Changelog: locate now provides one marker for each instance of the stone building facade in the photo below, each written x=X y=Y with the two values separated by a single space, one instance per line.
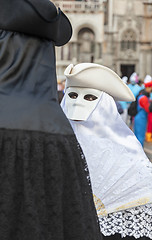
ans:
x=128 y=37
x=115 y=33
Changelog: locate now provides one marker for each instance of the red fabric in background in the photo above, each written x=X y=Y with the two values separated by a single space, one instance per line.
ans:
x=144 y=103
x=149 y=124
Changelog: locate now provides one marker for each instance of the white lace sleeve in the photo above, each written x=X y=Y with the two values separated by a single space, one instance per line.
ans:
x=136 y=222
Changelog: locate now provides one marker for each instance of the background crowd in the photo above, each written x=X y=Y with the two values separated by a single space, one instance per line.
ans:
x=141 y=121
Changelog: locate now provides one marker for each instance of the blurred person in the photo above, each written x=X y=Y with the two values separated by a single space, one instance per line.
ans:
x=45 y=190
x=121 y=174
x=147 y=79
x=135 y=88
x=119 y=107
x=61 y=86
x=149 y=123
x=143 y=108
x=124 y=104
x=141 y=84
x=149 y=128
x=133 y=84
x=125 y=79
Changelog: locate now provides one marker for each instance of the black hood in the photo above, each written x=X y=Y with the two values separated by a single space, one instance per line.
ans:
x=38 y=18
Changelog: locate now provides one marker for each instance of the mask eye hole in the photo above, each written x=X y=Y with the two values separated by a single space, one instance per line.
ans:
x=90 y=97
x=73 y=95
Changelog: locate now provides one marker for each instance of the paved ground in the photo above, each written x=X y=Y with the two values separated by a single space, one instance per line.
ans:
x=148 y=150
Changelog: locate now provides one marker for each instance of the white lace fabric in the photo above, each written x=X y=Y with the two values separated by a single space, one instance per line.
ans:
x=136 y=222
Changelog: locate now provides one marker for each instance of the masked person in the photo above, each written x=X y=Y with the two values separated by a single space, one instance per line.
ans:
x=45 y=191
x=121 y=174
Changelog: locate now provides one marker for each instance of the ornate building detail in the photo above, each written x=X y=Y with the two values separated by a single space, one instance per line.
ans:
x=120 y=23
x=130 y=5
x=128 y=40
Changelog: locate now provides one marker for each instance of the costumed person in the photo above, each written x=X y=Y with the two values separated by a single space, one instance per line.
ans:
x=121 y=174
x=149 y=128
x=149 y=120
x=135 y=88
x=144 y=107
x=124 y=104
x=45 y=190
x=133 y=85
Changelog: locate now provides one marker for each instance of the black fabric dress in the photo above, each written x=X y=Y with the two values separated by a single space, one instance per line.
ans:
x=45 y=192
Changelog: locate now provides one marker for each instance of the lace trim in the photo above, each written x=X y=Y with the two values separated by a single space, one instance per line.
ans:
x=136 y=222
x=85 y=164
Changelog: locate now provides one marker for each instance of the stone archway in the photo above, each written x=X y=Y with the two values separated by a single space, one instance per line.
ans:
x=86 y=45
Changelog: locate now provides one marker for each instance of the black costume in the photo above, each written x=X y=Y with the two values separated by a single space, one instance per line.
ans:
x=45 y=192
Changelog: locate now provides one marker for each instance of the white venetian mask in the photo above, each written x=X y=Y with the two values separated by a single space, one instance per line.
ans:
x=80 y=102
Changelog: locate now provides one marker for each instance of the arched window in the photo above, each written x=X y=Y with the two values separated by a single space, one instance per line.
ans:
x=86 y=45
x=128 y=40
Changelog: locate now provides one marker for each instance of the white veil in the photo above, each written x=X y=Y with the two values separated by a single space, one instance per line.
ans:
x=121 y=174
